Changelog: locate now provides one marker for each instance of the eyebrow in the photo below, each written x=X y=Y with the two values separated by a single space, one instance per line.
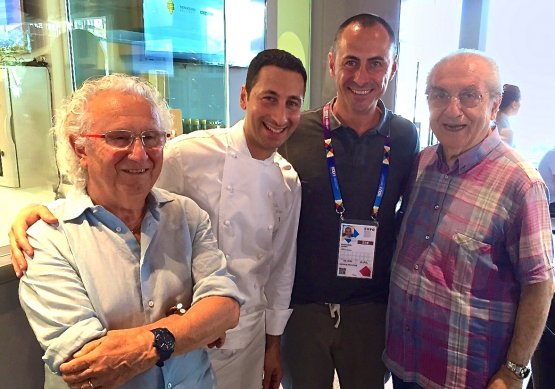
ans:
x=435 y=89
x=274 y=93
x=466 y=88
x=295 y=97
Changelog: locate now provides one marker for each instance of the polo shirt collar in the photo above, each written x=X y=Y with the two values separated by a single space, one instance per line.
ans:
x=380 y=128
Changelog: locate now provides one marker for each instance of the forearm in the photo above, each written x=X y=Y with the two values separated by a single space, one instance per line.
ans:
x=203 y=323
x=530 y=321
x=282 y=273
x=273 y=342
x=123 y=354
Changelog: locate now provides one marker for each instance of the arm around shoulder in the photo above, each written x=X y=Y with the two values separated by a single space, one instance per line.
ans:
x=19 y=243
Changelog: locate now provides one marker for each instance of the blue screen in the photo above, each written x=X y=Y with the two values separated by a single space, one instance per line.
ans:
x=193 y=30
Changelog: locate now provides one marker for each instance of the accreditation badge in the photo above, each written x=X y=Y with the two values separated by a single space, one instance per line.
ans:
x=357 y=246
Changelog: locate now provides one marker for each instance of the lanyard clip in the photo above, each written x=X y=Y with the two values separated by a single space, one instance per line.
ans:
x=340 y=210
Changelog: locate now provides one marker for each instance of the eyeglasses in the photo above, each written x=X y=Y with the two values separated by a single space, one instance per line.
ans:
x=122 y=139
x=442 y=99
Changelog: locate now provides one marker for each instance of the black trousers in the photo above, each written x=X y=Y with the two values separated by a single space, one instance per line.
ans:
x=400 y=384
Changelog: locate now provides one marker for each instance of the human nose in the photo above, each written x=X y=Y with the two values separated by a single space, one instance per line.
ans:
x=362 y=75
x=279 y=115
x=138 y=151
x=454 y=105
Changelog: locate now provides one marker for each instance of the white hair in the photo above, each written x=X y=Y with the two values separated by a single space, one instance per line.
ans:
x=74 y=119
x=493 y=80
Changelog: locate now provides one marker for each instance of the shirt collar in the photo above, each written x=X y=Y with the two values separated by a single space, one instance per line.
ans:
x=471 y=157
x=78 y=201
x=335 y=123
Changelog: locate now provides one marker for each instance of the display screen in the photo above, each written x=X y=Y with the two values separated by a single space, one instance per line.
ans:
x=13 y=36
x=193 y=30
x=245 y=23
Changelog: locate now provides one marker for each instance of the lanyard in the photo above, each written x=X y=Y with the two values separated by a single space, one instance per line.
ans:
x=332 y=171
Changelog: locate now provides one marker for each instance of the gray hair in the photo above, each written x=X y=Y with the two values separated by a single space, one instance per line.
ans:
x=493 y=80
x=73 y=117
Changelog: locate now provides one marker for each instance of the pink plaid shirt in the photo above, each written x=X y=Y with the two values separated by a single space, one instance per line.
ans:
x=473 y=236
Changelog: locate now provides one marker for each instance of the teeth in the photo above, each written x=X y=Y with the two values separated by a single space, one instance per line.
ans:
x=455 y=126
x=274 y=130
x=136 y=171
x=360 y=92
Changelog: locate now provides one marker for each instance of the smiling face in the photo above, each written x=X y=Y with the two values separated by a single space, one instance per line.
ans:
x=273 y=109
x=362 y=66
x=115 y=177
x=458 y=128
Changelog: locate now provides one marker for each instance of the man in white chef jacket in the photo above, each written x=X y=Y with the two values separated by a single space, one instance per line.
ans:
x=253 y=196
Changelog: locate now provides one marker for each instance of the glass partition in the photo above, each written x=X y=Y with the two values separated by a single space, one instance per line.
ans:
x=49 y=47
x=420 y=46
x=177 y=45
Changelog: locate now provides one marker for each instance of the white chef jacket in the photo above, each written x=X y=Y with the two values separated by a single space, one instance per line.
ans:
x=254 y=208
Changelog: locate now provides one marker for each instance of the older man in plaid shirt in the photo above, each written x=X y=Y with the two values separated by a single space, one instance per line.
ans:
x=471 y=279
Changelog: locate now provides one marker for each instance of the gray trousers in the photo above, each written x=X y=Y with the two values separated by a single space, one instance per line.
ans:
x=312 y=347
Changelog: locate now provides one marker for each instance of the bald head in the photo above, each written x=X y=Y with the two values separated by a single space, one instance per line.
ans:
x=473 y=61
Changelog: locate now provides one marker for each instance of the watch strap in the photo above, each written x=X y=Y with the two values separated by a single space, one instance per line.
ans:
x=520 y=371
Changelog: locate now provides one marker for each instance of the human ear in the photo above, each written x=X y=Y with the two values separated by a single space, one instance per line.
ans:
x=79 y=150
x=243 y=98
x=495 y=107
x=331 y=64
x=393 y=68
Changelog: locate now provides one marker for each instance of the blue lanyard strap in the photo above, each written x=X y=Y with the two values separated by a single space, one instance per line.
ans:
x=332 y=171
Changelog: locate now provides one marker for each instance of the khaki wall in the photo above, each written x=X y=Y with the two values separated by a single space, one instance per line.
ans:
x=293 y=33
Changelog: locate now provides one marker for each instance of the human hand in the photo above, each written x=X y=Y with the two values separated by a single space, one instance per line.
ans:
x=504 y=379
x=218 y=342
x=111 y=360
x=273 y=371
x=19 y=244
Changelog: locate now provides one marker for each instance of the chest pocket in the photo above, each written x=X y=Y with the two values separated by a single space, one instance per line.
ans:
x=473 y=264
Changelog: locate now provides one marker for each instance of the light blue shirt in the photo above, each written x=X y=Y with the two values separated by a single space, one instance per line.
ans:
x=89 y=275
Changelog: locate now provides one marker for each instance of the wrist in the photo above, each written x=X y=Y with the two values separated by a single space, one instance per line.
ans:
x=516 y=371
x=164 y=343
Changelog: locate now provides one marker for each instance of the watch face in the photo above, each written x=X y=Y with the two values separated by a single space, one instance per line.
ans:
x=164 y=340
x=524 y=372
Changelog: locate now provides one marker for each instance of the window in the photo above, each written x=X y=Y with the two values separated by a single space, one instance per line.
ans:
x=519 y=39
x=430 y=29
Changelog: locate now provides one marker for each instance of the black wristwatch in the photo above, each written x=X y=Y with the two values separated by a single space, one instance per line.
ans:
x=164 y=342
x=520 y=371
